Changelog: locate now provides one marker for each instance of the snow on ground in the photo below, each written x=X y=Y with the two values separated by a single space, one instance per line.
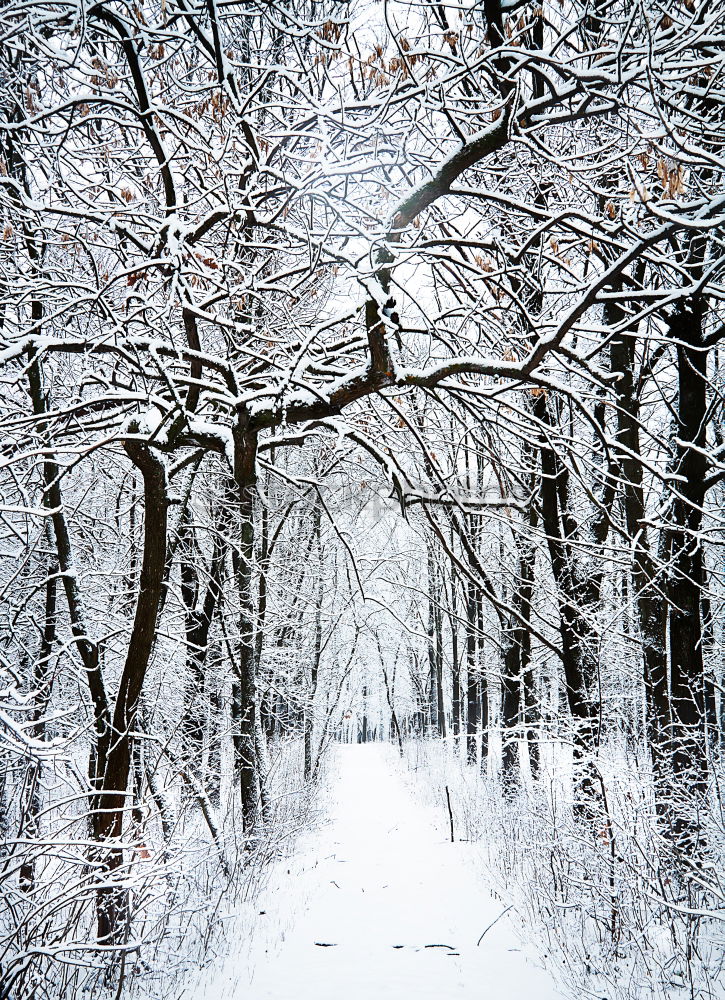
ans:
x=377 y=903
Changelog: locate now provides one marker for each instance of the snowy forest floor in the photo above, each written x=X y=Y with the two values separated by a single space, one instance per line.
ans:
x=376 y=902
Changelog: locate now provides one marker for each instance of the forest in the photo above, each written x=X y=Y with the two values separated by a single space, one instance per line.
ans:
x=362 y=422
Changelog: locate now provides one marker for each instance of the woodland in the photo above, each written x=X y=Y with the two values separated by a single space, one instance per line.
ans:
x=361 y=381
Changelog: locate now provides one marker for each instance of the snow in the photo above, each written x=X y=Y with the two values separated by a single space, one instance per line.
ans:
x=387 y=907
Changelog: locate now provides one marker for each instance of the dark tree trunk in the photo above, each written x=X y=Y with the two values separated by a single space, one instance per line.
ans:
x=199 y=615
x=245 y=687
x=510 y=704
x=433 y=695
x=440 y=691
x=484 y=701
x=578 y=594
x=116 y=748
x=456 y=665
x=471 y=676
x=42 y=682
x=517 y=658
x=686 y=577
x=364 y=733
x=650 y=605
x=394 y=724
x=316 y=652
x=484 y=712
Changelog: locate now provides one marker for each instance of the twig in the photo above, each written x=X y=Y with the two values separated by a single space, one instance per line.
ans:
x=502 y=914
x=450 y=812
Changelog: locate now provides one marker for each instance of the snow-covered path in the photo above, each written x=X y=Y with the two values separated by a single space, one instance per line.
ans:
x=394 y=910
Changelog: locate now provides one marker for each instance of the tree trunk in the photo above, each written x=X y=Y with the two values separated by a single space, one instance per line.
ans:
x=245 y=687
x=456 y=665
x=316 y=653
x=42 y=681
x=433 y=699
x=517 y=658
x=440 y=689
x=198 y=621
x=116 y=748
x=364 y=728
x=471 y=676
x=686 y=577
x=510 y=702
x=650 y=605
x=578 y=591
